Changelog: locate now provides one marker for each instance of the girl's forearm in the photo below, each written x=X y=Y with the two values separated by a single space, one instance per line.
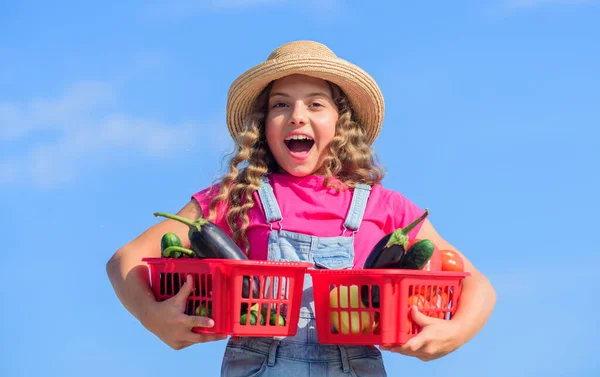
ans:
x=130 y=281
x=475 y=306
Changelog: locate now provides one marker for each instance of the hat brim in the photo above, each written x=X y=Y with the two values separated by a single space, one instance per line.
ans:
x=363 y=92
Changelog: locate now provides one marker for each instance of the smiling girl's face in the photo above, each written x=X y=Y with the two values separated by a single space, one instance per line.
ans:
x=300 y=123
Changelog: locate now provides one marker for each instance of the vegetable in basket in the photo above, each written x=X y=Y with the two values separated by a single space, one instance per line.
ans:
x=416 y=257
x=201 y=310
x=395 y=251
x=209 y=241
x=392 y=247
x=451 y=261
x=263 y=317
x=171 y=247
x=348 y=321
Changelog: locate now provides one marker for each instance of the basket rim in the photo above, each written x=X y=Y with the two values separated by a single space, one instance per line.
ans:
x=231 y=262
x=375 y=272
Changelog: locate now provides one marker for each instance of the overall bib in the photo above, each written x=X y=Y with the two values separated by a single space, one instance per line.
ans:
x=302 y=355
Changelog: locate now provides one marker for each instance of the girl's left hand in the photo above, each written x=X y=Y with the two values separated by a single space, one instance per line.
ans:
x=437 y=338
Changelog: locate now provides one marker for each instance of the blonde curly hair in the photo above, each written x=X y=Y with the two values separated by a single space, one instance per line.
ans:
x=350 y=159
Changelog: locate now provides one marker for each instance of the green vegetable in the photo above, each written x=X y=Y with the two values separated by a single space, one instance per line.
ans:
x=201 y=310
x=177 y=251
x=244 y=318
x=207 y=239
x=261 y=318
x=171 y=246
x=417 y=255
x=273 y=319
x=391 y=248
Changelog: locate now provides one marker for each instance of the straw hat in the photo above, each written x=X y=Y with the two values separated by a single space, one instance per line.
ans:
x=312 y=59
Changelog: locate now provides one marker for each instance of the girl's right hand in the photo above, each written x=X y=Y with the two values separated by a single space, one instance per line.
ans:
x=168 y=321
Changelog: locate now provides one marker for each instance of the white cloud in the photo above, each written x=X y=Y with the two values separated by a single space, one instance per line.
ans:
x=68 y=133
x=78 y=102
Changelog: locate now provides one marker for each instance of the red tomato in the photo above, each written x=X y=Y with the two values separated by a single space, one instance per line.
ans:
x=439 y=301
x=420 y=301
x=428 y=291
x=451 y=261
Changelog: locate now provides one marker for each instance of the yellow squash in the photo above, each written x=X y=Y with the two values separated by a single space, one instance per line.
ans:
x=350 y=319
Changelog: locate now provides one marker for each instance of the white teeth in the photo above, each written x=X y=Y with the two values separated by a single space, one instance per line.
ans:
x=298 y=137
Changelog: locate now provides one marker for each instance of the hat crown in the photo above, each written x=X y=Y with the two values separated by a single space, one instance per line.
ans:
x=301 y=48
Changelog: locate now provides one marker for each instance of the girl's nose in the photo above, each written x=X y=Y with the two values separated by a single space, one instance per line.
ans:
x=298 y=116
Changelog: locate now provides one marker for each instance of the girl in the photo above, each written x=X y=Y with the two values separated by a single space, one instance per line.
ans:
x=309 y=190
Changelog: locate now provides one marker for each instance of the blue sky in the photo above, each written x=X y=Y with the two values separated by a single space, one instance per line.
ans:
x=110 y=113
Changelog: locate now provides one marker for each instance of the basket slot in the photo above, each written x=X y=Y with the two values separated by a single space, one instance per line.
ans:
x=162 y=284
x=170 y=283
x=433 y=300
x=349 y=313
x=267 y=308
x=275 y=288
x=197 y=285
x=265 y=288
x=202 y=307
x=204 y=289
x=265 y=314
x=370 y=296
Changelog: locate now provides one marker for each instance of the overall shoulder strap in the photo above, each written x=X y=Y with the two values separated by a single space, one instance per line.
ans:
x=360 y=197
x=268 y=201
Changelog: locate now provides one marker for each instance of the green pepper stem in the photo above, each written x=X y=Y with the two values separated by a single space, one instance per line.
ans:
x=191 y=223
x=169 y=250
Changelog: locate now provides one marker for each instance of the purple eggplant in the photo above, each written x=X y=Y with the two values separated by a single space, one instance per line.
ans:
x=388 y=253
x=210 y=241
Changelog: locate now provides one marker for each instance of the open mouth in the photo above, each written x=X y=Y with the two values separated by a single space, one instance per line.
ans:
x=299 y=143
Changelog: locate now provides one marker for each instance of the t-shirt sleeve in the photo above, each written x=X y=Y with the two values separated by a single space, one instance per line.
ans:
x=204 y=198
x=405 y=212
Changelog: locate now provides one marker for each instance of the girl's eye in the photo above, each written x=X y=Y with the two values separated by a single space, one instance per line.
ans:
x=317 y=104
x=279 y=104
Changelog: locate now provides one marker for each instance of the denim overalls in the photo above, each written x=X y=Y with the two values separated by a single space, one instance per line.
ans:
x=302 y=355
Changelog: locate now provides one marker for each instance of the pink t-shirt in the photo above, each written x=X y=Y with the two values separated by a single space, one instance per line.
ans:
x=309 y=208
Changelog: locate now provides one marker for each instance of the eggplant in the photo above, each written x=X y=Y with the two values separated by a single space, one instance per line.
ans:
x=387 y=253
x=210 y=241
x=392 y=247
x=207 y=239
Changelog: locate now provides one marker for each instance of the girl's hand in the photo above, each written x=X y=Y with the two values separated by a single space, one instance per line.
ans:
x=437 y=338
x=170 y=324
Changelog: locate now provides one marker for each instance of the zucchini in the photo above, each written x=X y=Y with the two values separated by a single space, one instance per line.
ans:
x=415 y=258
x=391 y=248
x=417 y=255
